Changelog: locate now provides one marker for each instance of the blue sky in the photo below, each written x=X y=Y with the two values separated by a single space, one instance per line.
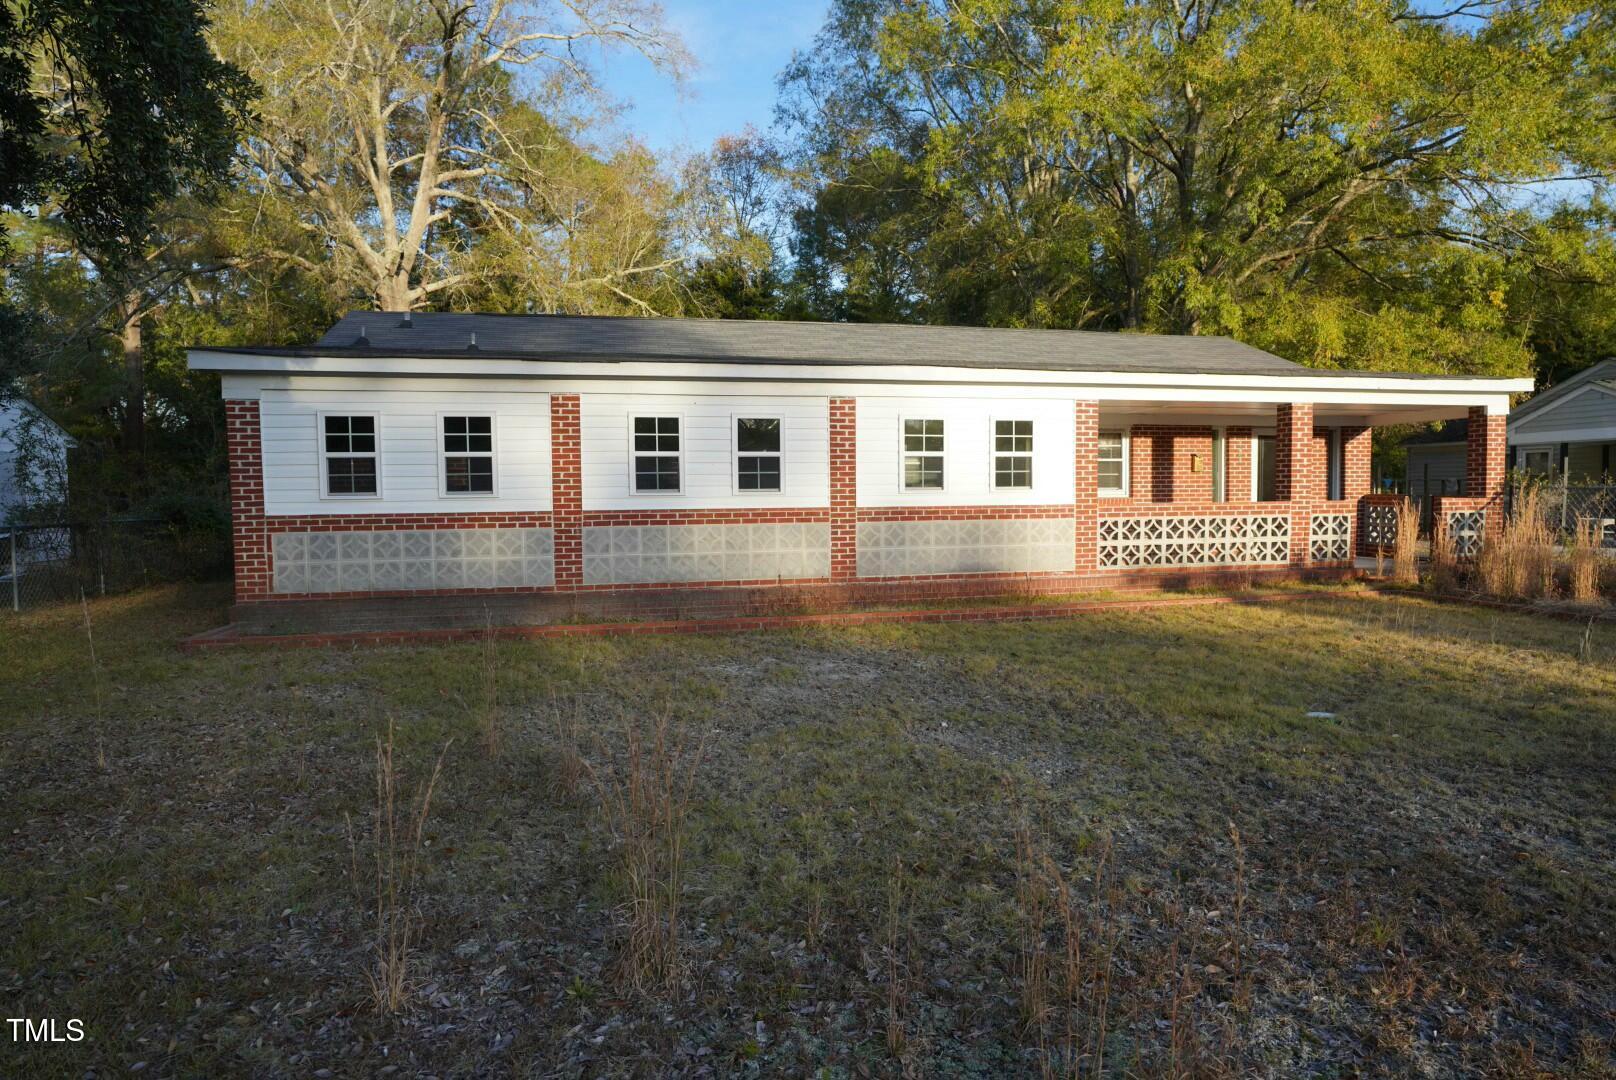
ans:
x=739 y=46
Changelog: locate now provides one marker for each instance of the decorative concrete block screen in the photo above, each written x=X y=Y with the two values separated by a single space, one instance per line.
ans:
x=1330 y=539
x=635 y=554
x=1380 y=525
x=1465 y=526
x=1214 y=540
x=904 y=548
x=405 y=561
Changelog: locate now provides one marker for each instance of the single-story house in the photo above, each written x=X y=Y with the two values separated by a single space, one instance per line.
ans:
x=33 y=460
x=1569 y=429
x=465 y=453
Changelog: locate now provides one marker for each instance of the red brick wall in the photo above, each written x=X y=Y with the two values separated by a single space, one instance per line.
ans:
x=1357 y=472
x=1160 y=460
x=1296 y=462
x=962 y=513
x=1237 y=479
x=843 y=489
x=782 y=516
x=248 y=535
x=567 y=489
x=1086 y=494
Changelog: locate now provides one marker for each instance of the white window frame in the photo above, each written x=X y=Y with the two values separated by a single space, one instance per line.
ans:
x=1551 y=449
x=994 y=455
x=1127 y=454
x=1256 y=460
x=1220 y=465
x=736 y=454
x=684 y=436
x=492 y=456
x=320 y=451
x=904 y=452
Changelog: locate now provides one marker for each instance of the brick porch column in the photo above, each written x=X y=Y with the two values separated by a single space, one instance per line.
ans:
x=1296 y=471
x=1357 y=477
x=1484 y=455
x=1086 y=497
x=566 y=490
x=249 y=539
x=1237 y=450
x=843 y=488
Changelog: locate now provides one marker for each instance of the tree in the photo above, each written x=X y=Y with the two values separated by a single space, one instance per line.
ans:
x=1340 y=178
x=107 y=110
x=434 y=150
x=737 y=195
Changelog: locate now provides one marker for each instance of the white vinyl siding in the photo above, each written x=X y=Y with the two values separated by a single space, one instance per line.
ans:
x=967 y=450
x=707 y=443
x=1583 y=413
x=409 y=441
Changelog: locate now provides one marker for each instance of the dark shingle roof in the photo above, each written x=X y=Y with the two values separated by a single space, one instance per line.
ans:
x=606 y=339
x=764 y=342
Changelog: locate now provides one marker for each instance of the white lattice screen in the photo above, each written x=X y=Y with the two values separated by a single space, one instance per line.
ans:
x=1213 y=540
x=1330 y=538
x=1465 y=526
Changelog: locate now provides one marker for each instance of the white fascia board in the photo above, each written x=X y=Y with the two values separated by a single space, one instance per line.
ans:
x=569 y=376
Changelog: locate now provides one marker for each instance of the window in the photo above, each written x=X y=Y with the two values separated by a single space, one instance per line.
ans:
x=1220 y=465
x=1537 y=460
x=1012 y=453
x=1113 y=463
x=349 y=457
x=656 y=453
x=923 y=455
x=757 y=454
x=468 y=455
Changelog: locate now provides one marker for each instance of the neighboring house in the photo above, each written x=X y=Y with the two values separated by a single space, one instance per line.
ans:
x=455 y=453
x=1569 y=429
x=33 y=461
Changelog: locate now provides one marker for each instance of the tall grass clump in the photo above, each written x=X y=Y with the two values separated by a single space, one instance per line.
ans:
x=1406 y=547
x=1517 y=555
x=396 y=842
x=645 y=805
x=1583 y=558
x=1446 y=575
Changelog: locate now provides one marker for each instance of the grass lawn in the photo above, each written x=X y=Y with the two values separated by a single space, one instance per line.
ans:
x=1118 y=842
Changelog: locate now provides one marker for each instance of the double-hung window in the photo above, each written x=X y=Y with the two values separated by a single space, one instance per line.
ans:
x=658 y=448
x=757 y=453
x=348 y=456
x=1012 y=453
x=468 y=455
x=923 y=455
x=1113 y=458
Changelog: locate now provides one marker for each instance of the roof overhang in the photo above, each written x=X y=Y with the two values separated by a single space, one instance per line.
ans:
x=1376 y=398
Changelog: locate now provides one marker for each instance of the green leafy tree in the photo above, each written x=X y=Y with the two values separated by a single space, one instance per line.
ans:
x=1341 y=180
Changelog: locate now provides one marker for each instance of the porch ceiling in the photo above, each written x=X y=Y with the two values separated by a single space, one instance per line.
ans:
x=1260 y=414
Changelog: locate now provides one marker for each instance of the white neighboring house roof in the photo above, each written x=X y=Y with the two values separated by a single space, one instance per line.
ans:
x=576 y=353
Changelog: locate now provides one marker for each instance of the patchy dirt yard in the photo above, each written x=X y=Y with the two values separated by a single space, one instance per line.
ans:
x=1325 y=837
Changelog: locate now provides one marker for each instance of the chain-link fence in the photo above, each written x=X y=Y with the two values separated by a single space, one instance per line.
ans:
x=1565 y=508
x=47 y=563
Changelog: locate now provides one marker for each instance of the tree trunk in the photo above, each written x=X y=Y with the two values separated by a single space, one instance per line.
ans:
x=134 y=367
x=394 y=293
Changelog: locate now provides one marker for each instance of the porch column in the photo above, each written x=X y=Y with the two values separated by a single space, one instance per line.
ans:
x=1297 y=479
x=1357 y=477
x=1485 y=453
x=1296 y=473
x=843 y=488
x=1086 y=496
